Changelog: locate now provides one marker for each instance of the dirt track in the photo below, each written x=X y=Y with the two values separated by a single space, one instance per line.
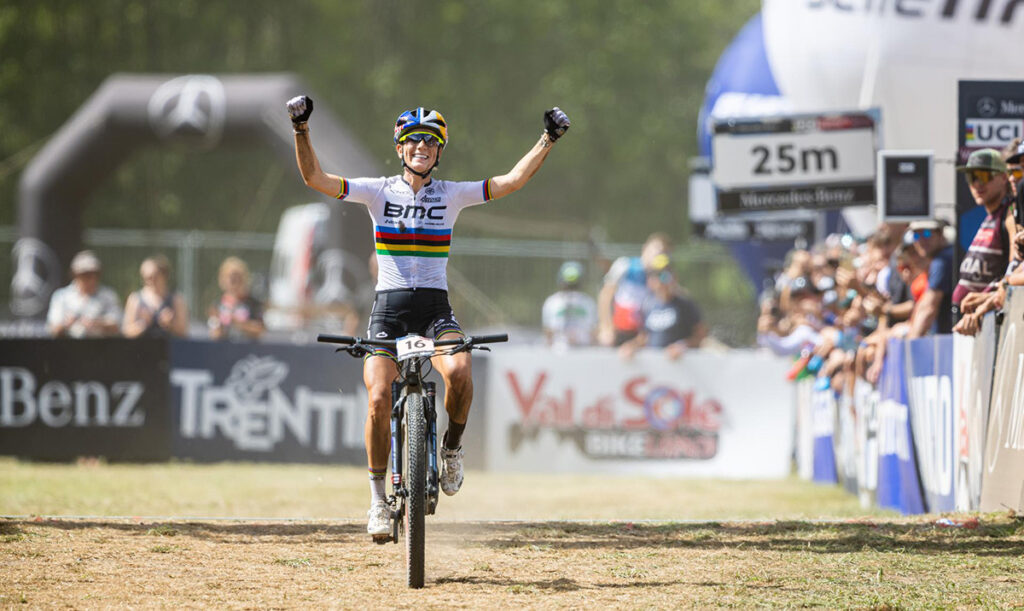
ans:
x=122 y=563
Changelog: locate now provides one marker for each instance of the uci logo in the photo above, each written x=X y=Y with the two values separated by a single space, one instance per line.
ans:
x=416 y=212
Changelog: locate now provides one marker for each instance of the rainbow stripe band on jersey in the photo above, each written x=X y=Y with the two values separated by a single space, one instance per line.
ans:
x=487 y=190
x=413 y=242
x=343 y=190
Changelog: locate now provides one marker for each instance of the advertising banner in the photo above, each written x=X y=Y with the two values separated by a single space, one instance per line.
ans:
x=264 y=402
x=845 y=441
x=899 y=486
x=804 y=429
x=589 y=411
x=865 y=403
x=1002 y=485
x=823 y=414
x=810 y=161
x=973 y=362
x=930 y=390
x=990 y=115
x=65 y=398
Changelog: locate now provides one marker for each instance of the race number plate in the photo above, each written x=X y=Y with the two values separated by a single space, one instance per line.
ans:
x=412 y=346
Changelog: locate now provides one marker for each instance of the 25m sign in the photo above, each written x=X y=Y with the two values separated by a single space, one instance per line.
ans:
x=800 y=161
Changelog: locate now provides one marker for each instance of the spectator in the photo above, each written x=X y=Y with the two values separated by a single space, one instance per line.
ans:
x=671 y=319
x=236 y=315
x=569 y=316
x=84 y=308
x=155 y=310
x=985 y=261
x=934 y=310
x=621 y=298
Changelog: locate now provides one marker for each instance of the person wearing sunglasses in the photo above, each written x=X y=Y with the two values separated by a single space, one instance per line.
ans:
x=933 y=312
x=985 y=261
x=413 y=215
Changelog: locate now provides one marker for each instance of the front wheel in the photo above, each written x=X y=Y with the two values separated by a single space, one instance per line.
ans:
x=416 y=485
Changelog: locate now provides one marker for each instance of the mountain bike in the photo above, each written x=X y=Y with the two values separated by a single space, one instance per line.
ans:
x=414 y=475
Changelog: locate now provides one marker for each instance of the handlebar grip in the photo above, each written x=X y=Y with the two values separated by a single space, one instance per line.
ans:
x=490 y=339
x=335 y=339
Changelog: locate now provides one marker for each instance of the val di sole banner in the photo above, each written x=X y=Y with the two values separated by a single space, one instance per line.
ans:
x=589 y=411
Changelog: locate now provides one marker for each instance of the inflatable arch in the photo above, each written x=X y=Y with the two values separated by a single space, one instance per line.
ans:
x=131 y=111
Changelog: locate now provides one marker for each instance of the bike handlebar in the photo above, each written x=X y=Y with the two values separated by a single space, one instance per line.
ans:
x=390 y=343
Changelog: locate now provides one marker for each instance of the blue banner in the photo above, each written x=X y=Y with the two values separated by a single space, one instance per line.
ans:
x=899 y=486
x=930 y=390
x=823 y=418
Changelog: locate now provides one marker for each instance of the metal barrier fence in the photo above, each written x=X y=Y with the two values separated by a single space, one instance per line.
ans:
x=495 y=282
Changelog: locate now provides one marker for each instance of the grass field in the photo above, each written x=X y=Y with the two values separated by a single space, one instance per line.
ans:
x=294 y=538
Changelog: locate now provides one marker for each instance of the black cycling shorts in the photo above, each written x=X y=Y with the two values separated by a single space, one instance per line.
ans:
x=400 y=312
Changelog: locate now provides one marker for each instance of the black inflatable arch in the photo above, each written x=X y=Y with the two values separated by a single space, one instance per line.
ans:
x=132 y=111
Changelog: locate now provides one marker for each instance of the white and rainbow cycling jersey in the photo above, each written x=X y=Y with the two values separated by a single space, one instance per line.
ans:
x=413 y=231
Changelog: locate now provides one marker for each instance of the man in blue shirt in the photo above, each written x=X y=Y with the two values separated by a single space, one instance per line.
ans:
x=934 y=311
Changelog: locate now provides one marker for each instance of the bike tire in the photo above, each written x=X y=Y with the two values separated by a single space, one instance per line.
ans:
x=416 y=484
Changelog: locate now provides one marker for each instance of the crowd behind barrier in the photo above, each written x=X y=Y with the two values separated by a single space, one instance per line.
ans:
x=942 y=431
x=536 y=409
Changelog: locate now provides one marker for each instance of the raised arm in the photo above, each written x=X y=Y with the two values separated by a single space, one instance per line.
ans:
x=555 y=124
x=299 y=109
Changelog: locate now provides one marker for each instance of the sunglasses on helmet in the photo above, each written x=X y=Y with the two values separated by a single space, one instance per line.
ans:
x=922 y=233
x=429 y=139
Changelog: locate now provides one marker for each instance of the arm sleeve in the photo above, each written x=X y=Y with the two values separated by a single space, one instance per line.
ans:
x=790 y=344
x=465 y=194
x=360 y=190
x=56 y=311
x=939 y=276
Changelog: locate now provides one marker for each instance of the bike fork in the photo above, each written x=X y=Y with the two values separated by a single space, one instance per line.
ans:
x=429 y=394
x=396 y=436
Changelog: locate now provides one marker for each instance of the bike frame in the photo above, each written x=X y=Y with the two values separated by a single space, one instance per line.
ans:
x=416 y=446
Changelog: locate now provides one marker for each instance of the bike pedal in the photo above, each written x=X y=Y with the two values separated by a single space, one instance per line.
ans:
x=381 y=539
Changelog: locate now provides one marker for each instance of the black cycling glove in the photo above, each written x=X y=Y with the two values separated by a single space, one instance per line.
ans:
x=556 y=123
x=299 y=108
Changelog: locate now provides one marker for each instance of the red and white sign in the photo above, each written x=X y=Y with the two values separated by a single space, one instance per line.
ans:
x=720 y=415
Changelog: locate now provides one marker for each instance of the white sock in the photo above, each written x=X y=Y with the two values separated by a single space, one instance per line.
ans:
x=377 y=491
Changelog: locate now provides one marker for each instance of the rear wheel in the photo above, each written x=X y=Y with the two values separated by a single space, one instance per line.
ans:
x=416 y=484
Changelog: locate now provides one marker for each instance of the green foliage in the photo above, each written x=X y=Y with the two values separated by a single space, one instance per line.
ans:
x=631 y=76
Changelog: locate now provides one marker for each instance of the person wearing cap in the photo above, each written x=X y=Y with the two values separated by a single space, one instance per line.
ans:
x=569 y=316
x=672 y=321
x=985 y=262
x=84 y=308
x=933 y=312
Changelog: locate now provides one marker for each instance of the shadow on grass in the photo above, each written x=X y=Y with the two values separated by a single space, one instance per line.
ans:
x=997 y=536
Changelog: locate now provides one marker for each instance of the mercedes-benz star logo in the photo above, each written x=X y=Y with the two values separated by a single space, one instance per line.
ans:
x=987 y=107
x=191 y=105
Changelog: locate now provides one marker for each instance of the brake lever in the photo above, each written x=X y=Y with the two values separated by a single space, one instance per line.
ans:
x=468 y=345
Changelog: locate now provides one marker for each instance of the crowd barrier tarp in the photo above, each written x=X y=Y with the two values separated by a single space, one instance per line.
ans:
x=899 y=485
x=707 y=414
x=929 y=368
x=266 y=402
x=1002 y=485
x=865 y=403
x=62 y=399
x=823 y=414
x=804 y=430
x=973 y=362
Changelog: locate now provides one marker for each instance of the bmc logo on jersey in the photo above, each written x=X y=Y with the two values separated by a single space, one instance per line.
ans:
x=396 y=211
